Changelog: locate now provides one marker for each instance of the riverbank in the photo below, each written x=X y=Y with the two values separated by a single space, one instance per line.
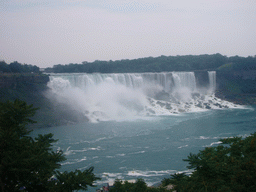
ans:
x=241 y=99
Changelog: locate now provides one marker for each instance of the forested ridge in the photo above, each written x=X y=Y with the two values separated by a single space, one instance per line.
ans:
x=147 y=64
x=158 y=64
x=16 y=67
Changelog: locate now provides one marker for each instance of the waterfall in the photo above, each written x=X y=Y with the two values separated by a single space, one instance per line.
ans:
x=212 y=80
x=123 y=96
x=167 y=80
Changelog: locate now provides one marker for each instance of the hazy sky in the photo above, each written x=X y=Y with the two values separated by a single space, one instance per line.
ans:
x=48 y=32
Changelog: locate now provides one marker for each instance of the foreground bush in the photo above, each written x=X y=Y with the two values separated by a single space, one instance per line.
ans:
x=230 y=166
x=27 y=164
x=138 y=186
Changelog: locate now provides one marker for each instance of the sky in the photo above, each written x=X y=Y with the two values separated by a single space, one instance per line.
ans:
x=49 y=32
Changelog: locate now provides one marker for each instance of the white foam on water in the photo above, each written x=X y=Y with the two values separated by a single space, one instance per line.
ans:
x=114 y=175
x=182 y=146
x=203 y=137
x=139 y=173
x=139 y=152
x=68 y=152
x=109 y=178
x=74 y=161
x=121 y=155
x=213 y=143
x=74 y=151
x=110 y=157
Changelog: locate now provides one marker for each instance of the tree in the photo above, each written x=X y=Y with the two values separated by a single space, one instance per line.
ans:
x=15 y=67
x=4 y=68
x=77 y=180
x=230 y=166
x=138 y=186
x=27 y=163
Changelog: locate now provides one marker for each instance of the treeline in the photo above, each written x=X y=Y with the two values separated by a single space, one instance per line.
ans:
x=158 y=64
x=16 y=67
x=147 y=64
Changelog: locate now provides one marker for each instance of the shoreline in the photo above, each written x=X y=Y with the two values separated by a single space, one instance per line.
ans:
x=240 y=99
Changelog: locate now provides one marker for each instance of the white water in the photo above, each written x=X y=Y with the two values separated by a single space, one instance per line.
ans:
x=128 y=96
x=212 y=81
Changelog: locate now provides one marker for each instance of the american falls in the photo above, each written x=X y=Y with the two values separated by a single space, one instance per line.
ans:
x=127 y=96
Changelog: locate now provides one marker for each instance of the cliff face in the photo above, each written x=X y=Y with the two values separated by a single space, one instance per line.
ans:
x=14 y=81
x=237 y=86
x=202 y=78
x=29 y=88
x=32 y=88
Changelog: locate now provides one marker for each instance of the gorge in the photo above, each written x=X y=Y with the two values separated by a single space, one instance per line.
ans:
x=136 y=125
x=141 y=125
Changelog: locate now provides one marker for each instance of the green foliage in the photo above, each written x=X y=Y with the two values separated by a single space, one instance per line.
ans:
x=226 y=67
x=237 y=63
x=230 y=166
x=14 y=116
x=77 y=180
x=4 y=67
x=149 y=64
x=16 y=67
x=138 y=186
x=162 y=63
x=29 y=163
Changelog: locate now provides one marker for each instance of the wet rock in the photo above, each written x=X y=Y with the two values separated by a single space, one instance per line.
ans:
x=151 y=111
x=162 y=96
x=199 y=105
x=207 y=106
x=218 y=105
x=181 y=110
x=202 y=98
x=168 y=106
x=195 y=95
x=160 y=103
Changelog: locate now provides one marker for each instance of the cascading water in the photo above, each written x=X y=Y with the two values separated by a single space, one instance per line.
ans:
x=212 y=81
x=102 y=97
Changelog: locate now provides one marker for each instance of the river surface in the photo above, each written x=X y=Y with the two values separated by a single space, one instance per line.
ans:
x=151 y=148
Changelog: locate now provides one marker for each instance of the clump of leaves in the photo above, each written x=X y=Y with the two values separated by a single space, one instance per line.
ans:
x=138 y=186
x=28 y=163
x=231 y=166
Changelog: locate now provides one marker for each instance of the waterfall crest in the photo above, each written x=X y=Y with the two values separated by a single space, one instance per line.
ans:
x=123 y=96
